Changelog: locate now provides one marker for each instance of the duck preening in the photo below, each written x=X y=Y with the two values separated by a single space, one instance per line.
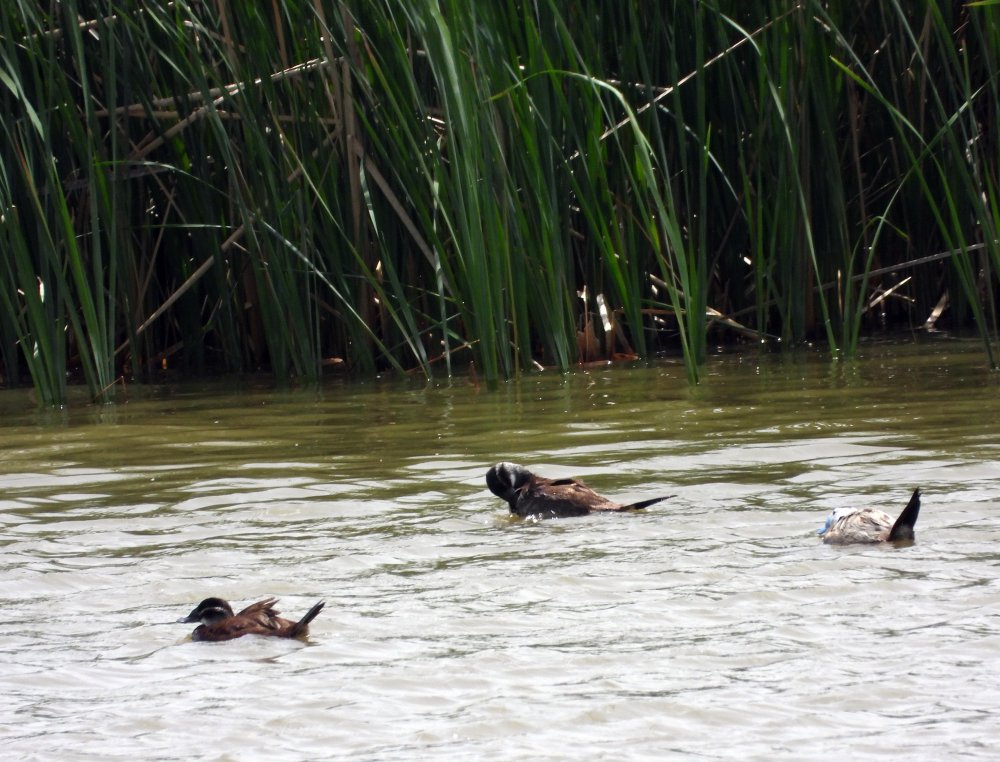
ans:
x=869 y=525
x=218 y=622
x=531 y=495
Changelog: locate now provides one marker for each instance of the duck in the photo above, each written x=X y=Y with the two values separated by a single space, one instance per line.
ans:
x=845 y=526
x=531 y=495
x=218 y=622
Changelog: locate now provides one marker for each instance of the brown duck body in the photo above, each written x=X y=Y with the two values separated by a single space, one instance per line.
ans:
x=218 y=622
x=531 y=495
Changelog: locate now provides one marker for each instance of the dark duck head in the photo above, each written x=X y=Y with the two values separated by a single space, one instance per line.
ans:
x=847 y=526
x=218 y=622
x=531 y=495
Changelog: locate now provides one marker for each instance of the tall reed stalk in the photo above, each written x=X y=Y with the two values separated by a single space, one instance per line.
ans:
x=428 y=185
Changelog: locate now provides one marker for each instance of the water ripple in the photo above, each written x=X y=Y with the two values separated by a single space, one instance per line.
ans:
x=713 y=625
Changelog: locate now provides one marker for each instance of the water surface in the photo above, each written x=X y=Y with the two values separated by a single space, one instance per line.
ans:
x=715 y=625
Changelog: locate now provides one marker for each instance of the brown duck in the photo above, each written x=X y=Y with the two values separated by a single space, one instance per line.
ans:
x=531 y=495
x=218 y=622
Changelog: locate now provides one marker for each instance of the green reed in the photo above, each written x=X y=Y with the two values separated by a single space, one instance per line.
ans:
x=947 y=161
x=440 y=184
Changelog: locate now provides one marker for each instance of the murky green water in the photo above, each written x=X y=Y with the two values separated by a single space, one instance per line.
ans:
x=714 y=625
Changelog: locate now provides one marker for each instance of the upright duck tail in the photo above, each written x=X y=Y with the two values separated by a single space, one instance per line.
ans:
x=903 y=528
x=301 y=626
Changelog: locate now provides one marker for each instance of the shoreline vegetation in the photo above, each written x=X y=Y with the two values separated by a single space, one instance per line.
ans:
x=429 y=186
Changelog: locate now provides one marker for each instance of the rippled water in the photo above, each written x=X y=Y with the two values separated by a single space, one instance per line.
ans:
x=714 y=625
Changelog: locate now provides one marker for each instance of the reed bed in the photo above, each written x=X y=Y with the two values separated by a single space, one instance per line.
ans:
x=427 y=186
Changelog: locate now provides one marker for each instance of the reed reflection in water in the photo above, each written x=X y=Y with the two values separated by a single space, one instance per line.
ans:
x=714 y=625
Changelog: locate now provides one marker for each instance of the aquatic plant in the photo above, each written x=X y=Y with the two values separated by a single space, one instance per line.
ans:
x=376 y=185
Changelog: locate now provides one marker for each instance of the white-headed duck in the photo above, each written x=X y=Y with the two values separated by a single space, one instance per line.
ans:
x=869 y=525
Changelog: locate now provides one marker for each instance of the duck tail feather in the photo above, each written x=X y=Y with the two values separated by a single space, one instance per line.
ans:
x=303 y=623
x=903 y=528
x=645 y=503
